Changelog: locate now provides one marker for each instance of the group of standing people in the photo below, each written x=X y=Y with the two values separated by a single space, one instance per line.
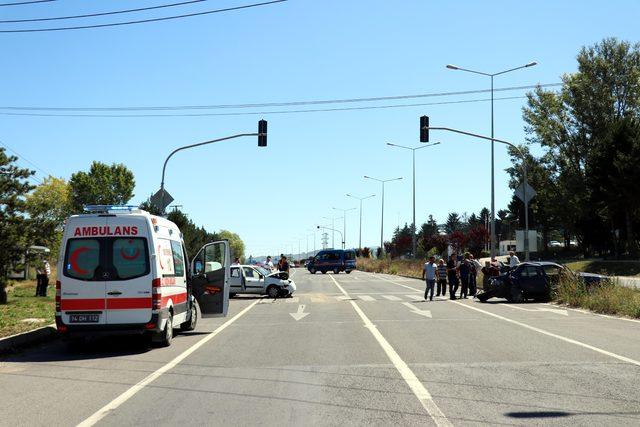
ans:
x=283 y=264
x=455 y=273
x=459 y=274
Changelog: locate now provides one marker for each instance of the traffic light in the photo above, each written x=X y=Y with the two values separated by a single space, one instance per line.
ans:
x=262 y=133
x=424 y=129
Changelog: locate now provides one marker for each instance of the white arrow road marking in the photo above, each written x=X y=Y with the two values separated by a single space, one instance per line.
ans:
x=550 y=310
x=416 y=310
x=299 y=314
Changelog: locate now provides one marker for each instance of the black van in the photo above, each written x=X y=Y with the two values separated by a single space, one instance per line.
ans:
x=335 y=260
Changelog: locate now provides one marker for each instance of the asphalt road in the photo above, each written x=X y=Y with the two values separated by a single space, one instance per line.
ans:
x=358 y=349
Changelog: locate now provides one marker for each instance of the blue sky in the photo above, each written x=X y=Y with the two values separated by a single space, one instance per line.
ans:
x=298 y=50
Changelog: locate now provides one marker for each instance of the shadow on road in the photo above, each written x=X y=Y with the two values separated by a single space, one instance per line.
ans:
x=538 y=414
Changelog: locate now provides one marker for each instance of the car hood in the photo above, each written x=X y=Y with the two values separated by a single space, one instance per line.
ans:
x=591 y=275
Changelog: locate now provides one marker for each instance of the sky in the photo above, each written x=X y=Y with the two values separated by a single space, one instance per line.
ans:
x=298 y=50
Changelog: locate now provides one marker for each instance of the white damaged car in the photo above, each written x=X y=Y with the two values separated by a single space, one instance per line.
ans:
x=252 y=279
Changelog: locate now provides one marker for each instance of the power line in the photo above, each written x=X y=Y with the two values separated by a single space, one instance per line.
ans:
x=141 y=21
x=277 y=104
x=28 y=161
x=317 y=110
x=92 y=15
x=26 y=2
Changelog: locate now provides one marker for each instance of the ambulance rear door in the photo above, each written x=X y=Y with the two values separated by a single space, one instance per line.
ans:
x=210 y=270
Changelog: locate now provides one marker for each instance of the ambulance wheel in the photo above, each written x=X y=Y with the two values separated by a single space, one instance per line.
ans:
x=164 y=338
x=273 y=291
x=190 y=324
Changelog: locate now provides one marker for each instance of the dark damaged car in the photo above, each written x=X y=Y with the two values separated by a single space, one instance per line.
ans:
x=534 y=280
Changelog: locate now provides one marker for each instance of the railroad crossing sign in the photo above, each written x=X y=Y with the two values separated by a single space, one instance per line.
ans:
x=520 y=193
x=161 y=202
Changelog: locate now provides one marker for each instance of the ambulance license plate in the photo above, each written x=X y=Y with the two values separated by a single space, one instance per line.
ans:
x=84 y=318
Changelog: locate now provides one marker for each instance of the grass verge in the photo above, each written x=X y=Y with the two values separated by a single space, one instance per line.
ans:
x=22 y=304
x=607 y=298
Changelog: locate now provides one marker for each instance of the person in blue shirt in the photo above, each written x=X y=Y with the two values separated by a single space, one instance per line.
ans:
x=429 y=273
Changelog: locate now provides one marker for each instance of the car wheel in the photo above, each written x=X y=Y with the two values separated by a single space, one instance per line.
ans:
x=164 y=338
x=324 y=271
x=348 y=271
x=516 y=295
x=312 y=271
x=272 y=291
x=336 y=271
x=190 y=324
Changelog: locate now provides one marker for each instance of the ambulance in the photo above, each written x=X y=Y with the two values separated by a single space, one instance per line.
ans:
x=125 y=271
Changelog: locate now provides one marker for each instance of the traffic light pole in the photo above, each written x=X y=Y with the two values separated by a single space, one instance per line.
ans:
x=262 y=142
x=524 y=174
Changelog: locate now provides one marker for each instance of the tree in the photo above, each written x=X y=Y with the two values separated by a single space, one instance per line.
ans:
x=102 y=185
x=48 y=206
x=235 y=243
x=13 y=226
x=579 y=129
x=453 y=223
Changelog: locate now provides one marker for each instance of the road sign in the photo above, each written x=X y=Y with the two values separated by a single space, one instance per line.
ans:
x=161 y=202
x=520 y=193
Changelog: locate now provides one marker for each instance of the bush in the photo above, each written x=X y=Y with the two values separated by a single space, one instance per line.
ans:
x=606 y=298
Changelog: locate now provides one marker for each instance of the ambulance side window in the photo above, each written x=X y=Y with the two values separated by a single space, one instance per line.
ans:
x=130 y=257
x=178 y=258
x=82 y=259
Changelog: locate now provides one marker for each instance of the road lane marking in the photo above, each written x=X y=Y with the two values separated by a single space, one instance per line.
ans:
x=414 y=296
x=418 y=389
x=551 y=334
x=537 y=309
x=115 y=403
x=391 y=297
x=416 y=310
x=579 y=310
x=399 y=284
x=300 y=314
x=366 y=298
x=292 y=300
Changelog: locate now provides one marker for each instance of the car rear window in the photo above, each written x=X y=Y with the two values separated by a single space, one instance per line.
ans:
x=129 y=257
x=82 y=258
x=106 y=259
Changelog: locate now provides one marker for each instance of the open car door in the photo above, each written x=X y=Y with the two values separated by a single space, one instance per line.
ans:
x=210 y=278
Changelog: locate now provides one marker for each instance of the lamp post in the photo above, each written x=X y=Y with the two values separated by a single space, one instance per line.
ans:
x=413 y=225
x=344 y=223
x=360 y=199
x=333 y=225
x=383 y=181
x=524 y=173
x=493 y=194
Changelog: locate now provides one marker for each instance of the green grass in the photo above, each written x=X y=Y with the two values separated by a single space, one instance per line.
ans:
x=22 y=304
x=610 y=268
x=609 y=298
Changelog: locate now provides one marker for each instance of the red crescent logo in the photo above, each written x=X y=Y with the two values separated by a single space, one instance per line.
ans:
x=73 y=259
x=129 y=257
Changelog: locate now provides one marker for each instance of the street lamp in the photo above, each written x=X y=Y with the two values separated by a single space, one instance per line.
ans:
x=344 y=222
x=333 y=225
x=524 y=173
x=413 y=226
x=360 y=199
x=383 y=181
x=493 y=194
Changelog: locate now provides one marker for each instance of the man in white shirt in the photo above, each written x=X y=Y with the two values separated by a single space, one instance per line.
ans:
x=268 y=264
x=429 y=273
x=513 y=260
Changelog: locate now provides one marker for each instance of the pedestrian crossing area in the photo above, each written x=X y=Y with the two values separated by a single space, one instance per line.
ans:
x=324 y=298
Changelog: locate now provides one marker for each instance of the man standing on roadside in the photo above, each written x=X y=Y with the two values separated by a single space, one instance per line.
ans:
x=269 y=264
x=465 y=273
x=42 y=278
x=513 y=260
x=283 y=264
x=429 y=273
x=452 y=272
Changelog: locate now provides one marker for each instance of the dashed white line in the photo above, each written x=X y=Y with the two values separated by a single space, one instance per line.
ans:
x=391 y=297
x=115 y=403
x=418 y=389
x=366 y=298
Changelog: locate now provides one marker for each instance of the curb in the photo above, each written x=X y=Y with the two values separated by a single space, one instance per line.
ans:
x=12 y=342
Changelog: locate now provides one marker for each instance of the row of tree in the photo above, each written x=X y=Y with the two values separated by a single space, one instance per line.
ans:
x=586 y=175
x=35 y=215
